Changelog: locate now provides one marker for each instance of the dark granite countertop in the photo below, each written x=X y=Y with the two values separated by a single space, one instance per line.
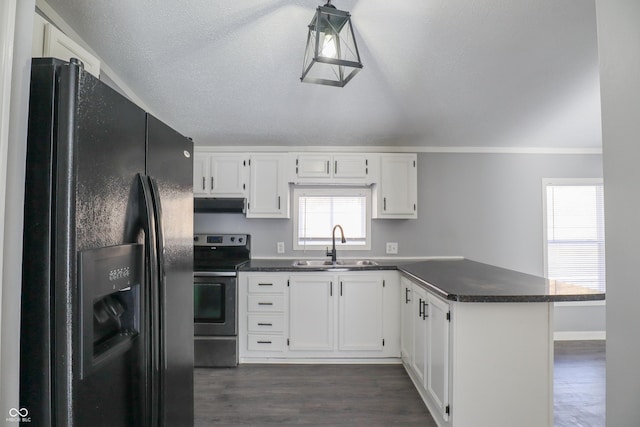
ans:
x=471 y=281
x=459 y=280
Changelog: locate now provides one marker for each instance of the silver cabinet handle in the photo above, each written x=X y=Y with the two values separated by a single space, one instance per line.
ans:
x=204 y=183
x=265 y=284
x=327 y=167
x=264 y=342
x=265 y=303
x=384 y=203
x=212 y=183
x=265 y=324
x=278 y=202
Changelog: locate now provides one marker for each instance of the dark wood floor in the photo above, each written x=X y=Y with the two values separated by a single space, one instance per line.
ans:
x=579 y=384
x=373 y=395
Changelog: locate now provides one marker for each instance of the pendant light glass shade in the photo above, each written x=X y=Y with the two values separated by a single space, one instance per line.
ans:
x=331 y=56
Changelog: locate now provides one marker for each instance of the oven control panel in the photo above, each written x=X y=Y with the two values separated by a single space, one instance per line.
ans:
x=220 y=240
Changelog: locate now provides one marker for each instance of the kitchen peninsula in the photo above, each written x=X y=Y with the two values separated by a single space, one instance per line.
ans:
x=476 y=340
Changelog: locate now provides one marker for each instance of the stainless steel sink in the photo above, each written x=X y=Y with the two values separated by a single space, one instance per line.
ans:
x=321 y=263
x=358 y=262
x=312 y=263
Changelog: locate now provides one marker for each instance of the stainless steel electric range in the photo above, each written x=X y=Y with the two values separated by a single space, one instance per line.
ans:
x=216 y=260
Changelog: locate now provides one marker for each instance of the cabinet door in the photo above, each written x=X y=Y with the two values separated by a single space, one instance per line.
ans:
x=313 y=166
x=201 y=173
x=398 y=196
x=437 y=380
x=311 y=312
x=268 y=188
x=360 y=313
x=419 y=332
x=227 y=175
x=406 y=321
x=350 y=166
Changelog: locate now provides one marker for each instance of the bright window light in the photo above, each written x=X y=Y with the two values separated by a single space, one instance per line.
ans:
x=575 y=234
x=318 y=210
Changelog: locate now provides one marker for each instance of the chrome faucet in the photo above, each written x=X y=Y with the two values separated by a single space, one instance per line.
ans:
x=333 y=254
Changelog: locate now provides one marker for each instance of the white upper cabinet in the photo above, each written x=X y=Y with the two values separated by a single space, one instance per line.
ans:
x=396 y=195
x=268 y=187
x=48 y=41
x=220 y=175
x=313 y=166
x=263 y=178
x=201 y=174
x=320 y=168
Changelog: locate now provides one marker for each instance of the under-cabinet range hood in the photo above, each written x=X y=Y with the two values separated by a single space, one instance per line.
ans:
x=219 y=205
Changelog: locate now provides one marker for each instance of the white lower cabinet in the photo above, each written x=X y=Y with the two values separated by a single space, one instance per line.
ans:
x=360 y=313
x=425 y=333
x=319 y=315
x=480 y=364
x=419 y=360
x=406 y=320
x=311 y=308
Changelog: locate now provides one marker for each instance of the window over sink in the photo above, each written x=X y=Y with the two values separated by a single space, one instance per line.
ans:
x=318 y=209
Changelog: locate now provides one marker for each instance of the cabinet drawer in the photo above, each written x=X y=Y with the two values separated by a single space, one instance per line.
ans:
x=266 y=323
x=266 y=303
x=266 y=343
x=267 y=284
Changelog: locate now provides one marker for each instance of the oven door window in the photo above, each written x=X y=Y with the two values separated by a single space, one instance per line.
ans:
x=209 y=302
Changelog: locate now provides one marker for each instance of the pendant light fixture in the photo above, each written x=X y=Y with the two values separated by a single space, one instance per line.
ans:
x=331 y=56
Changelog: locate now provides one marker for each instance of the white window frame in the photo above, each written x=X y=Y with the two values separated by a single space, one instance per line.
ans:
x=332 y=191
x=568 y=182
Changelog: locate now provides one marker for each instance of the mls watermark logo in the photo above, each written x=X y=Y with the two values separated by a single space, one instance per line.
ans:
x=18 y=415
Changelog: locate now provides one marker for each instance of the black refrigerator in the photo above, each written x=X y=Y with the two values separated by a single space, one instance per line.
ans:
x=107 y=289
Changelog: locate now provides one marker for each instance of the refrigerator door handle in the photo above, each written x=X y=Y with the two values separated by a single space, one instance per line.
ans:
x=150 y=301
x=160 y=257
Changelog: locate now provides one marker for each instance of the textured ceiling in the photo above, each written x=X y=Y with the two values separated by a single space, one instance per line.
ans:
x=495 y=73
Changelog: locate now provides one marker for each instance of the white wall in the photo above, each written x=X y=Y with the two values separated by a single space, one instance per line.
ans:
x=12 y=240
x=619 y=52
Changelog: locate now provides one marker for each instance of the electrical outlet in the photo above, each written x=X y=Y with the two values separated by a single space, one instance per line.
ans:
x=280 y=247
x=392 y=247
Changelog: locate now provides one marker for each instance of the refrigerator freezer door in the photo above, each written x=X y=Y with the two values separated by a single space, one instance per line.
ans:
x=85 y=149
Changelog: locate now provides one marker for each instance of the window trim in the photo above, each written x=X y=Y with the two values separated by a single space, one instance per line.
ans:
x=332 y=191
x=559 y=182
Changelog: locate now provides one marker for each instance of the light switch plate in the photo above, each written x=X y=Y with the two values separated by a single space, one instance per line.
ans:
x=280 y=246
x=392 y=247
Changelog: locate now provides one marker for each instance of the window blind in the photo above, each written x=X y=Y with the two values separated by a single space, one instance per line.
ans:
x=317 y=215
x=575 y=235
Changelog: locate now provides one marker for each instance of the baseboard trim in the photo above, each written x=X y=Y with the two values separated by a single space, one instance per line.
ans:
x=323 y=361
x=579 y=335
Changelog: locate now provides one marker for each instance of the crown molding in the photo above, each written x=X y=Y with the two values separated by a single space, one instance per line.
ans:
x=394 y=149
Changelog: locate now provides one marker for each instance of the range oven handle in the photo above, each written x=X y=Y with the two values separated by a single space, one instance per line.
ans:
x=214 y=274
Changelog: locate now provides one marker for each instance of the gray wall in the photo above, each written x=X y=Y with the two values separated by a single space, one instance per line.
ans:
x=619 y=52
x=485 y=207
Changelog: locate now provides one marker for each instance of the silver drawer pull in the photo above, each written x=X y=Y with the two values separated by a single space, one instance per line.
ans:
x=265 y=342
x=265 y=284
x=265 y=324
x=265 y=303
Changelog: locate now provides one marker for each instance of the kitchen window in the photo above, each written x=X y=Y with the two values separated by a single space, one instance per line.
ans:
x=574 y=232
x=318 y=210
